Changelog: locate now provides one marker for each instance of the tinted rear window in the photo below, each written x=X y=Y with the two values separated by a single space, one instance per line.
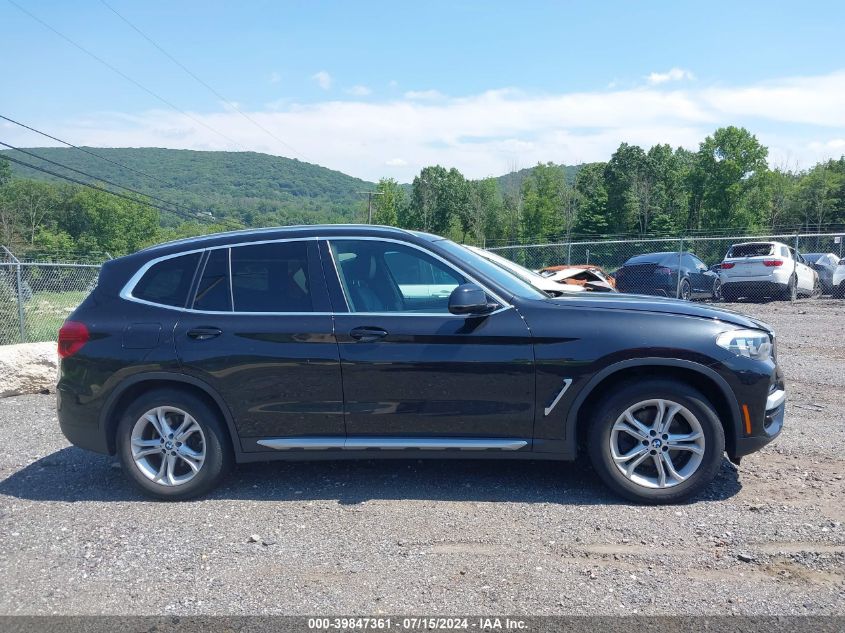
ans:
x=168 y=281
x=751 y=250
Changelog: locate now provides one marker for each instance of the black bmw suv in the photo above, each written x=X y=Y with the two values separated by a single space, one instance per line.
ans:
x=335 y=342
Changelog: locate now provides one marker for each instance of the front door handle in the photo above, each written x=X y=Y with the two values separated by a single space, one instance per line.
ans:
x=367 y=334
x=204 y=333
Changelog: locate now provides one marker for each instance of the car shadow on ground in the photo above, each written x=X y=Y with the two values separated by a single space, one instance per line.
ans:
x=74 y=475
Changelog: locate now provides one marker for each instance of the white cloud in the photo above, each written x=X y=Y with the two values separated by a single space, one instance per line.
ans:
x=424 y=95
x=359 y=91
x=802 y=120
x=274 y=77
x=675 y=74
x=393 y=83
x=323 y=79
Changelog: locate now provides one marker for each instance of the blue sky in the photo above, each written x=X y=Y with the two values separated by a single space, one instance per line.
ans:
x=383 y=88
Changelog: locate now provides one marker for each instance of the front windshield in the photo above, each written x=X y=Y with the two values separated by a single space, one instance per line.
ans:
x=499 y=274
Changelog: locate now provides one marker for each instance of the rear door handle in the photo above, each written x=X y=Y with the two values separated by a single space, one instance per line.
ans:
x=204 y=333
x=367 y=334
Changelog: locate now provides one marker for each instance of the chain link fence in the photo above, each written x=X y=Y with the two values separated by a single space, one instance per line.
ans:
x=688 y=267
x=36 y=297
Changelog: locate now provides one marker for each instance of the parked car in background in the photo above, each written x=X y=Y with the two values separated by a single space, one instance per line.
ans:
x=316 y=343
x=548 y=286
x=590 y=277
x=672 y=274
x=824 y=264
x=757 y=270
x=839 y=280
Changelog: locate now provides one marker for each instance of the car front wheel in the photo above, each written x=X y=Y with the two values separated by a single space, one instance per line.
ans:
x=656 y=441
x=172 y=445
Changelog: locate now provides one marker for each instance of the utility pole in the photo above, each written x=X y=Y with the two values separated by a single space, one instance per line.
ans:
x=370 y=195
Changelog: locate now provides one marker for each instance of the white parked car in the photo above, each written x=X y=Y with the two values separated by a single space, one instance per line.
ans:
x=839 y=280
x=766 y=269
x=529 y=276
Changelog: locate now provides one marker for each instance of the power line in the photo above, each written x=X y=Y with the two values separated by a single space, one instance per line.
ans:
x=85 y=184
x=87 y=151
x=177 y=207
x=121 y=73
x=229 y=103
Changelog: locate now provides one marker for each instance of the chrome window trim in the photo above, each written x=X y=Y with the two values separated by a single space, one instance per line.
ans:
x=129 y=286
x=504 y=305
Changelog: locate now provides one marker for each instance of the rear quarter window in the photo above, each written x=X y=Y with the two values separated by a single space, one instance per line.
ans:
x=168 y=281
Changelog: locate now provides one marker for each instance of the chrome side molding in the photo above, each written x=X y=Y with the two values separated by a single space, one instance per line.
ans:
x=566 y=383
x=392 y=443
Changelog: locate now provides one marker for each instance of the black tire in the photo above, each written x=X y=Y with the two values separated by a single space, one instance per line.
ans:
x=717 y=290
x=790 y=293
x=630 y=394
x=218 y=454
x=685 y=291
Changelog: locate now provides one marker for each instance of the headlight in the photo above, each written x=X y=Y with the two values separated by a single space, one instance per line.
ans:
x=749 y=343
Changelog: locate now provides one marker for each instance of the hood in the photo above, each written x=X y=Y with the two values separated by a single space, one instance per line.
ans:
x=659 y=305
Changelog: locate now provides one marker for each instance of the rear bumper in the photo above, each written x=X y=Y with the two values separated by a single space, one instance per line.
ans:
x=753 y=286
x=80 y=422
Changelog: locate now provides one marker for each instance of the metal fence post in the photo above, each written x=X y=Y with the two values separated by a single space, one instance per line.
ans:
x=20 y=303
x=680 y=257
x=19 y=292
x=569 y=253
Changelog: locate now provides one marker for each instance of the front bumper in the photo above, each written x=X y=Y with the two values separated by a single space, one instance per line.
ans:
x=772 y=425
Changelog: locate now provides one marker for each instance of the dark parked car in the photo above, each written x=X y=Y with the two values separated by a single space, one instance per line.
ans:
x=657 y=274
x=331 y=342
x=825 y=264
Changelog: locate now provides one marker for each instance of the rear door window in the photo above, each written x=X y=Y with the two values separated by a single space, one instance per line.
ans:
x=213 y=292
x=169 y=281
x=271 y=277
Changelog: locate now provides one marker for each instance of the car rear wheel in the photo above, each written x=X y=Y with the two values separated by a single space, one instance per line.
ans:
x=717 y=290
x=656 y=441
x=172 y=445
x=791 y=291
x=685 y=291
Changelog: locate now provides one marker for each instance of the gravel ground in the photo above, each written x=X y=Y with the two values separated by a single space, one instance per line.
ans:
x=440 y=537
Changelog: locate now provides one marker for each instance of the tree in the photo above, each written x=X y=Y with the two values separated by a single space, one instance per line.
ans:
x=727 y=166
x=485 y=209
x=101 y=222
x=819 y=194
x=390 y=205
x=438 y=197
x=592 y=216
x=31 y=202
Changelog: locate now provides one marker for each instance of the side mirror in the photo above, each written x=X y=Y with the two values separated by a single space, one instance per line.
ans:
x=469 y=299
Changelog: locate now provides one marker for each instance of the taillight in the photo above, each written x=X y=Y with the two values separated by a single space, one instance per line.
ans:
x=772 y=262
x=727 y=265
x=662 y=270
x=72 y=337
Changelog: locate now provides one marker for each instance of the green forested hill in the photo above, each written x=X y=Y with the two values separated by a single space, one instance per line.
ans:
x=227 y=184
x=513 y=181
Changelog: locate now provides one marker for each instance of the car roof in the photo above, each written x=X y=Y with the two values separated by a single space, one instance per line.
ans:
x=281 y=232
x=759 y=242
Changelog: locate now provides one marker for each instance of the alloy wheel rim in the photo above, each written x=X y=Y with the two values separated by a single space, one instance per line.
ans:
x=168 y=446
x=686 y=291
x=657 y=443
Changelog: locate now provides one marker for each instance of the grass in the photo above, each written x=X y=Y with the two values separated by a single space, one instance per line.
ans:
x=45 y=312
